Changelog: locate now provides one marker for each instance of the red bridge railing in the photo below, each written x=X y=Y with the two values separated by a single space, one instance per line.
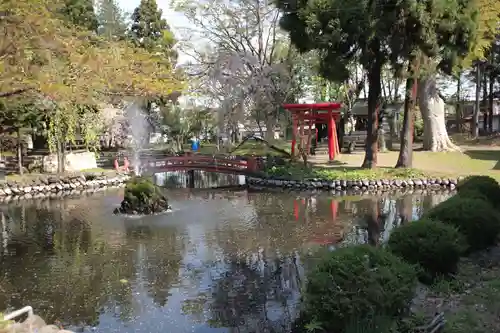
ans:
x=201 y=162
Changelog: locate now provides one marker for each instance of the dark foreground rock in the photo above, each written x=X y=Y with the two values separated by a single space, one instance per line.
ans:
x=142 y=196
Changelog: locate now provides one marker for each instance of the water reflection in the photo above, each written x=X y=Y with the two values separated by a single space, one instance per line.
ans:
x=222 y=261
x=202 y=179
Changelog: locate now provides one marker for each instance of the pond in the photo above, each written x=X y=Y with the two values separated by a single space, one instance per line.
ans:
x=222 y=261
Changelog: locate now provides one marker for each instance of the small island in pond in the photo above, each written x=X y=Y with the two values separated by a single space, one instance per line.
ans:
x=142 y=196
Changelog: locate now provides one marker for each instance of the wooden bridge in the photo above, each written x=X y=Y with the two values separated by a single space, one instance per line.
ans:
x=222 y=164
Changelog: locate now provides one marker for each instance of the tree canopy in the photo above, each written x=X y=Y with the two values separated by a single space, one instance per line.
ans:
x=39 y=53
x=80 y=13
x=374 y=32
x=112 y=20
x=152 y=32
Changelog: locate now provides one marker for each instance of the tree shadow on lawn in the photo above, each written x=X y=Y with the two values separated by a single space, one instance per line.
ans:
x=485 y=155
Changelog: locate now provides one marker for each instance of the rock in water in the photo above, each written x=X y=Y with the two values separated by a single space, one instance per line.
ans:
x=142 y=196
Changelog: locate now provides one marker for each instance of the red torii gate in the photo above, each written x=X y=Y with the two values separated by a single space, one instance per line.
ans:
x=303 y=114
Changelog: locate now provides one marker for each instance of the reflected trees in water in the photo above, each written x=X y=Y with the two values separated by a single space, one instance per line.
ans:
x=252 y=294
x=158 y=256
x=67 y=276
x=253 y=262
x=202 y=179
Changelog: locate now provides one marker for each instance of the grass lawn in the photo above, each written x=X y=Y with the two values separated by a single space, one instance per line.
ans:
x=341 y=172
x=250 y=147
x=474 y=160
x=30 y=176
x=261 y=149
x=471 y=302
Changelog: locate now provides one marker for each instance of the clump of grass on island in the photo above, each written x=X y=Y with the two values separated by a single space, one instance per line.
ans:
x=299 y=172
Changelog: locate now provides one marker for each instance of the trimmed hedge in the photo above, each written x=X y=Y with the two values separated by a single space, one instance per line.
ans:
x=476 y=218
x=480 y=187
x=357 y=282
x=435 y=246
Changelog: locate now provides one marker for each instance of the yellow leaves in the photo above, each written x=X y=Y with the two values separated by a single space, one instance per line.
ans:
x=488 y=25
x=38 y=52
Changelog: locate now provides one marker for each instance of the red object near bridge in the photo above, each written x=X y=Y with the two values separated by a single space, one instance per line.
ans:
x=308 y=114
x=207 y=163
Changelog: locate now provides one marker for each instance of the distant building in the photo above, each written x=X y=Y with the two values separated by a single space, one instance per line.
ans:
x=467 y=109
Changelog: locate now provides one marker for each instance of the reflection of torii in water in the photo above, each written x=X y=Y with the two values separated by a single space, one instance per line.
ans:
x=325 y=239
x=334 y=205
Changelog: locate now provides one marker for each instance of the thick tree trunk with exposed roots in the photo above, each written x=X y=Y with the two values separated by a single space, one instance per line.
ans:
x=432 y=108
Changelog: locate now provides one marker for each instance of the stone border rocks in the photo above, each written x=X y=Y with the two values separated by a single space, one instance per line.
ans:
x=355 y=185
x=58 y=186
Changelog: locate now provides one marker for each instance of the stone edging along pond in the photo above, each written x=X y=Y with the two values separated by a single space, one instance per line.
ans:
x=356 y=185
x=58 y=186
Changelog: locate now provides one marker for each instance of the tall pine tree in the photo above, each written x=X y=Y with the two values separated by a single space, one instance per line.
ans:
x=150 y=31
x=111 y=18
x=80 y=13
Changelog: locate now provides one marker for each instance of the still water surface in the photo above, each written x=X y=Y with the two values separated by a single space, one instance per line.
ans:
x=222 y=261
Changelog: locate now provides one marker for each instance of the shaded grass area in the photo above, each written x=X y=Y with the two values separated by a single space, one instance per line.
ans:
x=472 y=161
x=261 y=149
x=31 y=176
x=250 y=147
x=471 y=301
x=466 y=139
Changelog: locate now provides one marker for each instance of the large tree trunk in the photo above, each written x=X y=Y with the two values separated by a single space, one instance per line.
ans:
x=491 y=101
x=475 y=116
x=374 y=91
x=270 y=124
x=458 y=111
x=485 y=102
x=61 y=155
x=19 y=151
x=432 y=108
x=405 y=159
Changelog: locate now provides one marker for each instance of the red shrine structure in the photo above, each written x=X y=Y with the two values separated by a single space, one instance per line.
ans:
x=306 y=116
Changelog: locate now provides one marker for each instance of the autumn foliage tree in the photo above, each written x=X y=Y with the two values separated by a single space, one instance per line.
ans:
x=45 y=58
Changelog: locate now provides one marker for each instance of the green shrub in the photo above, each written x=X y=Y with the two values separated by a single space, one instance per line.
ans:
x=433 y=245
x=142 y=189
x=356 y=283
x=480 y=186
x=474 y=217
x=474 y=194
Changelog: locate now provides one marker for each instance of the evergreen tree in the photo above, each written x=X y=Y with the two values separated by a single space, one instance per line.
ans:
x=80 y=13
x=376 y=32
x=150 y=31
x=111 y=18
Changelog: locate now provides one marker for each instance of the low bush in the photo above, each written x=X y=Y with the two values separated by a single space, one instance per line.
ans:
x=356 y=283
x=435 y=246
x=473 y=216
x=474 y=194
x=480 y=186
